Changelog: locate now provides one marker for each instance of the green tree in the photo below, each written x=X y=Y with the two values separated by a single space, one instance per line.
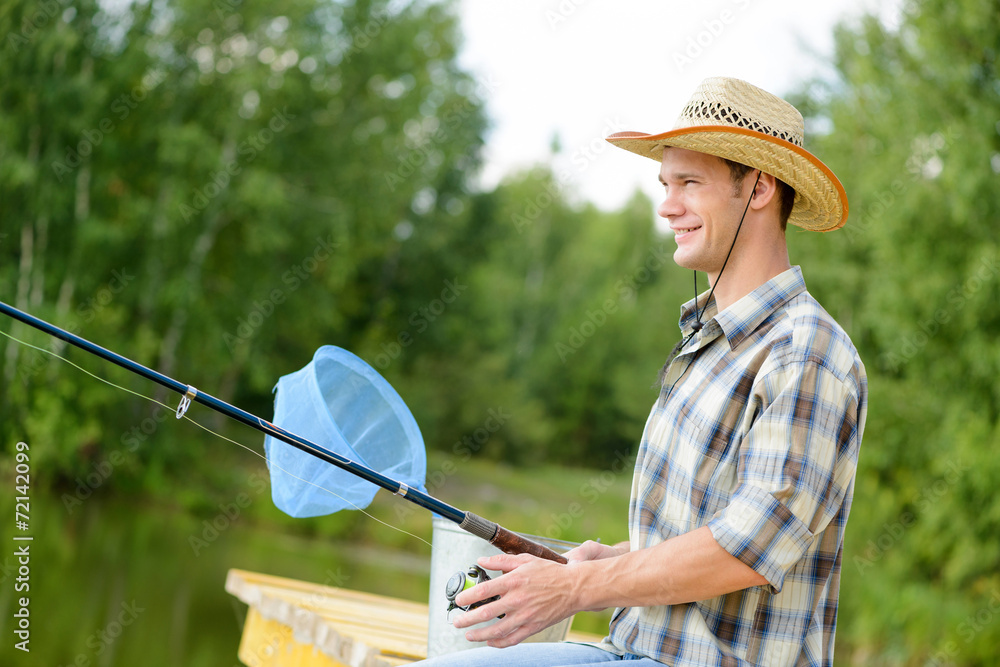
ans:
x=215 y=191
x=568 y=315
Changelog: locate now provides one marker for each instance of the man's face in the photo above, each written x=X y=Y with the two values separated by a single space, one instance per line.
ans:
x=700 y=207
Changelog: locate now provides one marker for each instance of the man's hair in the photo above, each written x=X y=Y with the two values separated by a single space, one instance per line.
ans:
x=786 y=195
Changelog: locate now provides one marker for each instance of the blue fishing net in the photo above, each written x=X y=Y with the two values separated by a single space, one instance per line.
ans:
x=342 y=404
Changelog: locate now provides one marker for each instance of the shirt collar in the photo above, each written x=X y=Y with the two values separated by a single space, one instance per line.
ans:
x=743 y=317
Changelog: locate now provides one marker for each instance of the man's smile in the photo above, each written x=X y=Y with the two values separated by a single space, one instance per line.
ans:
x=683 y=231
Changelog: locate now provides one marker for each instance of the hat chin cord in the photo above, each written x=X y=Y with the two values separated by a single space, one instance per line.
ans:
x=698 y=324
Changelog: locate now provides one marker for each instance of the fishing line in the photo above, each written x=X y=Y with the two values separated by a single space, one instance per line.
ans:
x=218 y=435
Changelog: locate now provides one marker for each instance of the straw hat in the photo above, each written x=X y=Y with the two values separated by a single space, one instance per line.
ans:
x=735 y=120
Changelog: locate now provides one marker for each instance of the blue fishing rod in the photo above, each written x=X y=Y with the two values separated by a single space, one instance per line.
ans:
x=503 y=539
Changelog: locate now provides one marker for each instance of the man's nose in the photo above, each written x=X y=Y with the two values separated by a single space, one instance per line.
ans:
x=671 y=206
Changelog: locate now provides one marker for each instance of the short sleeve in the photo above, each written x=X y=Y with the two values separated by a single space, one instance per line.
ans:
x=796 y=466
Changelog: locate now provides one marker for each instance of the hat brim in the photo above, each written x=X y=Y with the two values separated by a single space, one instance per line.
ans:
x=820 y=199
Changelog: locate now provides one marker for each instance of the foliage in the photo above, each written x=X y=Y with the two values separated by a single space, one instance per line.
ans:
x=217 y=193
x=538 y=336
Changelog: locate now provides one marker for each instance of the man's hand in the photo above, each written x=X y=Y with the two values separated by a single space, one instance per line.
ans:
x=534 y=594
x=591 y=550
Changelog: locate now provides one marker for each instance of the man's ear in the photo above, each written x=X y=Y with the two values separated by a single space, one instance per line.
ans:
x=765 y=192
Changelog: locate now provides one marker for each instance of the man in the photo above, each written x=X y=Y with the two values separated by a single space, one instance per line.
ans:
x=745 y=472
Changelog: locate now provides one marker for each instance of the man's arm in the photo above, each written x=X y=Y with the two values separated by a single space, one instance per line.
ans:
x=536 y=593
x=795 y=474
x=686 y=568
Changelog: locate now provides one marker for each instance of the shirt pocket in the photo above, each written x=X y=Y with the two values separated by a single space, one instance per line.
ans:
x=718 y=421
x=719 y=414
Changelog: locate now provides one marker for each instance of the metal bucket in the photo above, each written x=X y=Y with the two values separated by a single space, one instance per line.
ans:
x=455 y=550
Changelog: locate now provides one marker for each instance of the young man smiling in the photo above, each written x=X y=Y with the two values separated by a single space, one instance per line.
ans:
x=745 y=472
x=704 y=202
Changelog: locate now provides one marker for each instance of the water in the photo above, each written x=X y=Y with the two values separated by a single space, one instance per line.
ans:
x=120 y=583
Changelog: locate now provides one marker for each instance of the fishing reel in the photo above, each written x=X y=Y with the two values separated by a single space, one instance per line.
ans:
x=462 y=581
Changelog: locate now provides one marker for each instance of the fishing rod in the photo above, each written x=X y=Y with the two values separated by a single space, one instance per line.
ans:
x=503 y=539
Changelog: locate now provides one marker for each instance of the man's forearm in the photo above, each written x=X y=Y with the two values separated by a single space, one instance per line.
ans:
x=686 y=568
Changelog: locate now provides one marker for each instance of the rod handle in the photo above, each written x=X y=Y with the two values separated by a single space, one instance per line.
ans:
x=504 y=540
x=512 y=543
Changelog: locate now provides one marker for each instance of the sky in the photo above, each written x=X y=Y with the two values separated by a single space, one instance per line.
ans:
x=582 y=69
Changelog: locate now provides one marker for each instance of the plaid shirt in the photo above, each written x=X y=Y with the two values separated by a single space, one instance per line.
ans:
x=755 y=434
